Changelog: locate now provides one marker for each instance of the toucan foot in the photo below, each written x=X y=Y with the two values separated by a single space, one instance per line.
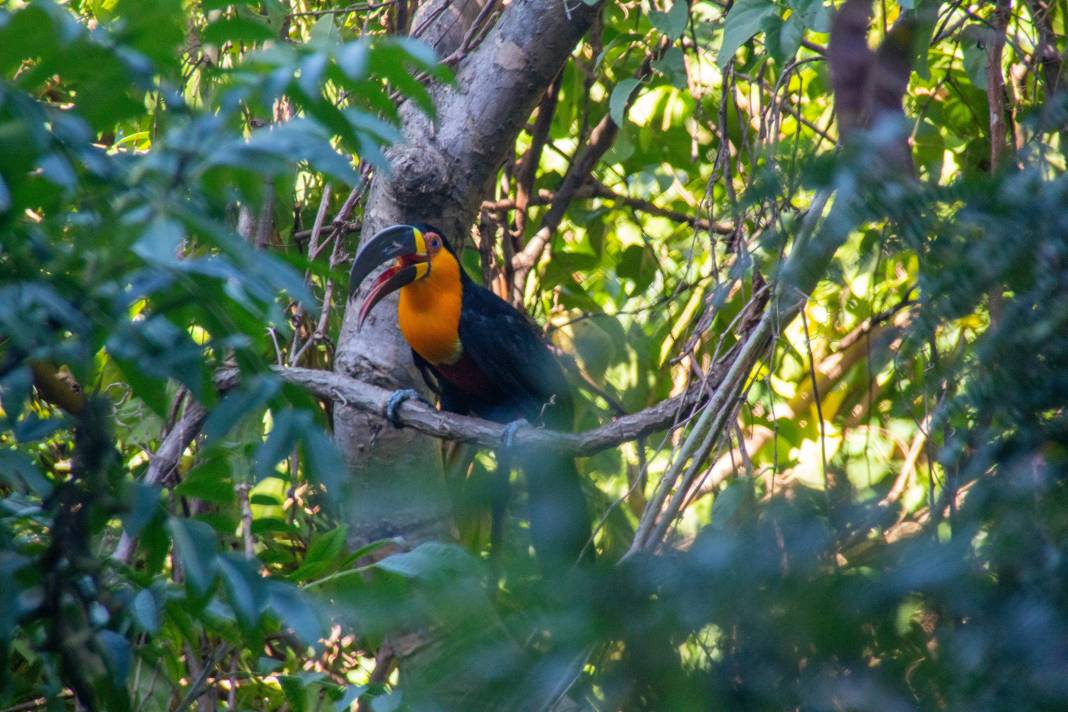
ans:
x=508 y=434
x=395 y=400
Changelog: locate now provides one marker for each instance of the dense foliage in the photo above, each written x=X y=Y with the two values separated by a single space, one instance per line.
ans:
x=880 y=521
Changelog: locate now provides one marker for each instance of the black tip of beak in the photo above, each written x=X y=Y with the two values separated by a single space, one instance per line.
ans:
x=390 y=243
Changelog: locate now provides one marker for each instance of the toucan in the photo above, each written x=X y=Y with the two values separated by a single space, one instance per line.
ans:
x=482 y=357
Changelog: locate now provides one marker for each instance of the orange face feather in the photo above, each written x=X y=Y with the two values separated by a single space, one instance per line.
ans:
x=429 y=308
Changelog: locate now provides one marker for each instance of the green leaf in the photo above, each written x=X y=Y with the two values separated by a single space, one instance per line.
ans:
x=293 y=610
x=223 y=4
x=325 y=551
x=638 y=264
x=209 y=481
x=352 y=693
x=236 y=29
x=417 y=50
x=195 y=544
x=352 y=59
x=744 y=20
x=430 y=561
x=974 y=41
x=617 y=103
x=143 y=507
x=249 y=397
x=15 y=388
x=117 y=655
x=812 y=14
x=19 y=472
x=728 y=504
x=294 y=692
x=784 y=37
x=324 y=462
x=33 y=428
x=156 y=349
x=387 y=703
x=145 y=612
x=673 y=66
x=246 y=589
x=279 y=443
x=673 y=22
x=153 y=391
x=324 y=33
x=564 y=265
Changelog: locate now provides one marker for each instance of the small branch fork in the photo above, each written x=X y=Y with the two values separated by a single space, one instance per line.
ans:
x=601 y=138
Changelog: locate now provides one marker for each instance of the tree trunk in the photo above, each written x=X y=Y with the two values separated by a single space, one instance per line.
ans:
x=440 y=175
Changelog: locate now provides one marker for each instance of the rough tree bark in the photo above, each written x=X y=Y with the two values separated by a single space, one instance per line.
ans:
x=440 y=175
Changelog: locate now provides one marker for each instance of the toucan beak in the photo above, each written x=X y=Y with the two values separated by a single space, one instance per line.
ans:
x=402 y=243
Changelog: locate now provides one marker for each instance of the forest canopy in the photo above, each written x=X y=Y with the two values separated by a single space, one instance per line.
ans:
x=804 y=264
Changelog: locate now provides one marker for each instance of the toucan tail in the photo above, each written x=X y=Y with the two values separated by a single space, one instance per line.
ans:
x=559 y=517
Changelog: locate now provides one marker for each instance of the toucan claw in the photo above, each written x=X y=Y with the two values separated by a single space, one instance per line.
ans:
x=395 y=400
x=508 y=434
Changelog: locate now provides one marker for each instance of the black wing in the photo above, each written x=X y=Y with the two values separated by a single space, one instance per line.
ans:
x=510 y=352
x=430 y=378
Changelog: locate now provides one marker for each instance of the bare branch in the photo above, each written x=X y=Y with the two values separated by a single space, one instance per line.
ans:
x=164 y=462
x=601 y=139
x=451 y=426
x=528 y=165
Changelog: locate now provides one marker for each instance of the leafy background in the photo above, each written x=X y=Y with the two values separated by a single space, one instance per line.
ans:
x=883 y=525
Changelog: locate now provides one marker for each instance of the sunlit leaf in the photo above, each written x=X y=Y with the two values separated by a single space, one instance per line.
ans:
x=673 y=22
x=745 y=19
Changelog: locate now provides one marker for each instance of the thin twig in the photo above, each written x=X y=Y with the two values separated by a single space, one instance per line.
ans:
x=198 y=687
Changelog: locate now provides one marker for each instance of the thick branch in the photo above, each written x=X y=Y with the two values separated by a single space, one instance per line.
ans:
x=414 y=414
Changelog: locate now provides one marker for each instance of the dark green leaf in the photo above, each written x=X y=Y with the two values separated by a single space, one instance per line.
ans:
x=324 y=33
x=143 y=508
x=324 y=462
x=246 y=589
x=160 y=241
x=326 y=550
x=195 y=544
x=209 y=481
x=19 y=472
x=430 y=560
x=145 y=612
x=293 y=610
x=117 y=655
x=240 y=28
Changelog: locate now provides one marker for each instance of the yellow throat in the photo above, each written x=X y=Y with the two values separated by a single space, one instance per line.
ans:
x=429 y=311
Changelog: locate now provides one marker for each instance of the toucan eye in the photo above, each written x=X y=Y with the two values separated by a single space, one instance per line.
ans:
x=435 y=241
